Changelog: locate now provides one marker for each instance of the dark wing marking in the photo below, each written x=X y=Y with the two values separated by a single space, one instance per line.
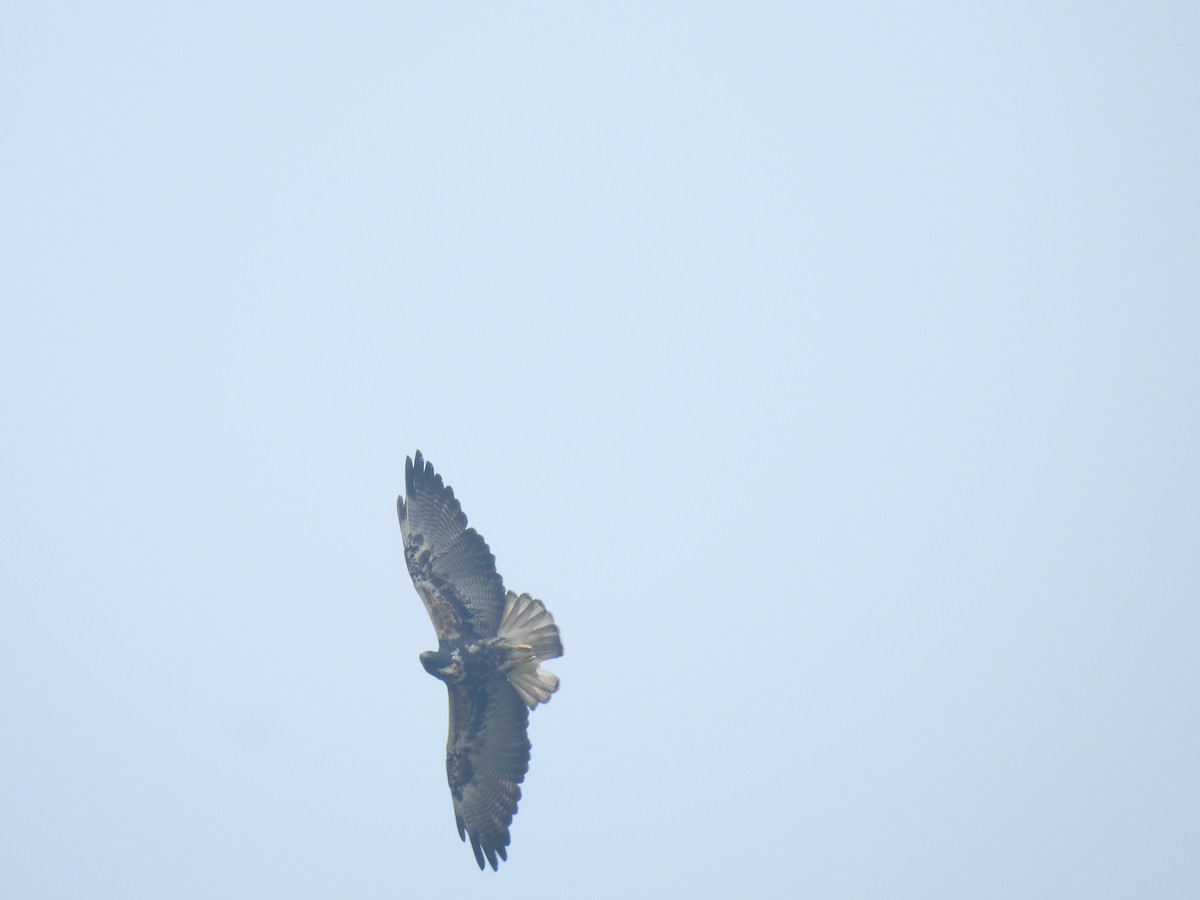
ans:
x=451 y=566
x=487 y=756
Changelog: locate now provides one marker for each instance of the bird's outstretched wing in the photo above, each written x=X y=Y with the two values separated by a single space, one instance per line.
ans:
x=487 y=756
x=451 y=566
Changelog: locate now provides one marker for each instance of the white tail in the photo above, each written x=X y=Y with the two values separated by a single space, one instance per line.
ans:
x=528 y=623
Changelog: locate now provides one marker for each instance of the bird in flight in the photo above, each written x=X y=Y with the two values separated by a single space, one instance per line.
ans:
x=491 y=644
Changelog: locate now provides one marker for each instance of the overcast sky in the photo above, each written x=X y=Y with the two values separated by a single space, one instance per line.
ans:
x=831 y=372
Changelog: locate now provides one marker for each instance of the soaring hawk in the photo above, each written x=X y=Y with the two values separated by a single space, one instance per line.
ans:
x=491 y=644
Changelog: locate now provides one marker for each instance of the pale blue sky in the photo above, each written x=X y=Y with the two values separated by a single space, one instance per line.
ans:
x=831 y=372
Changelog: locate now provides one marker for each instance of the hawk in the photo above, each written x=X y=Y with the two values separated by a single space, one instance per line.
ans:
x=491 y=643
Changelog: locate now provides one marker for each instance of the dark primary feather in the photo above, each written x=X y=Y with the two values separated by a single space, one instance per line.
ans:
x=487 y=757
x=451 y=566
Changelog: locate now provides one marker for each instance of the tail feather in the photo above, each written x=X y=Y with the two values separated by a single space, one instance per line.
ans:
x=526 y=622
x=533 y=683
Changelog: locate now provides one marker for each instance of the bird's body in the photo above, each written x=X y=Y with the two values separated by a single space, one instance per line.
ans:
x=490 y=646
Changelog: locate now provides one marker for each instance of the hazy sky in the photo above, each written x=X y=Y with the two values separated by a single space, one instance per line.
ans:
x=831 y=371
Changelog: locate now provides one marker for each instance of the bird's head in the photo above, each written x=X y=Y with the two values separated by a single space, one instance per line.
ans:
x=446 y=667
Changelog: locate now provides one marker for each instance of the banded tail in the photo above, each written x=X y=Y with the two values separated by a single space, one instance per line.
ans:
x=527 y=622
